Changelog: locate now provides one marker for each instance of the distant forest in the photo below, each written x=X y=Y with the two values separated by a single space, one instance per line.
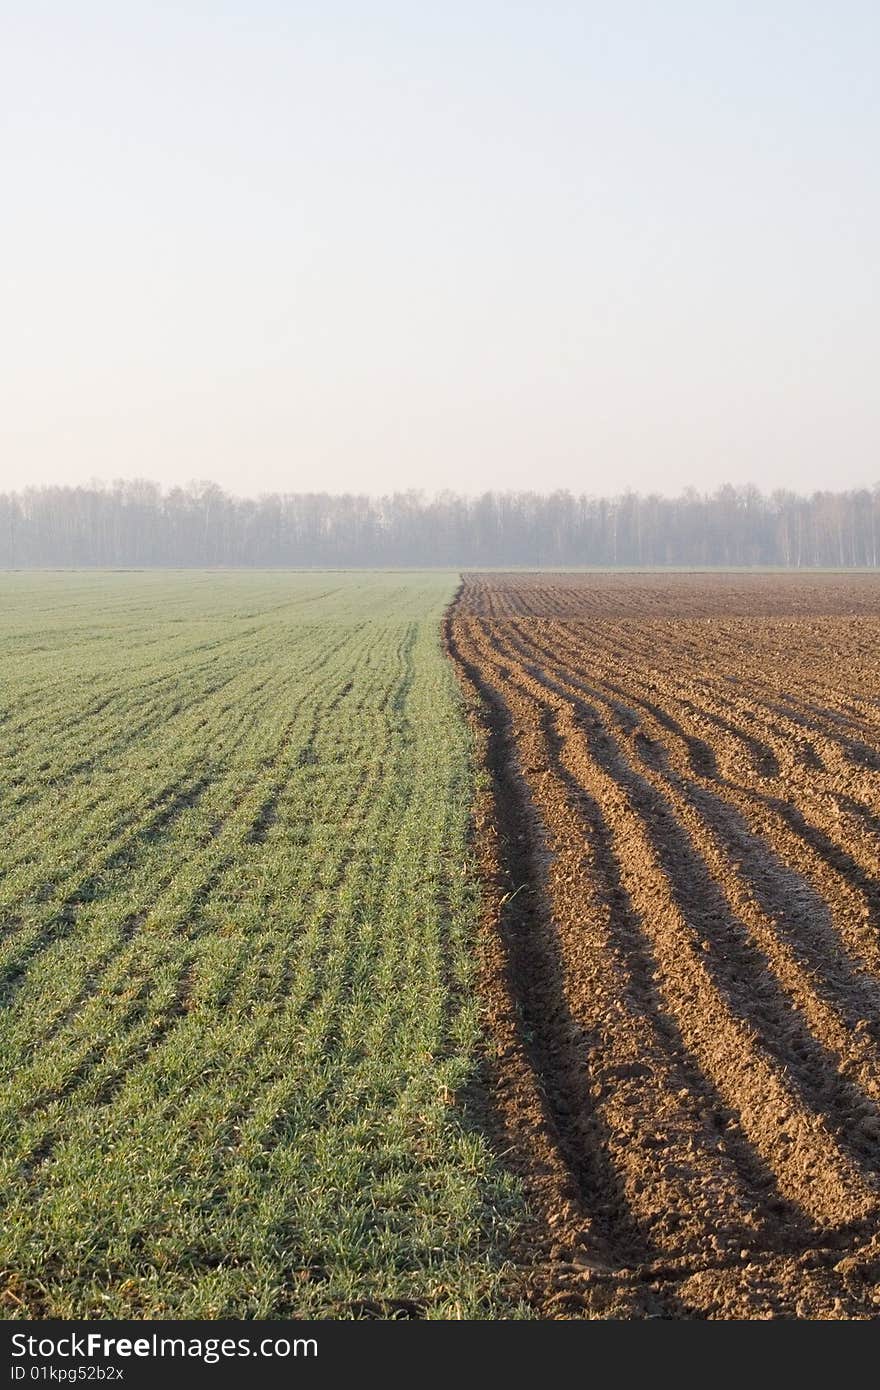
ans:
x=139 y=524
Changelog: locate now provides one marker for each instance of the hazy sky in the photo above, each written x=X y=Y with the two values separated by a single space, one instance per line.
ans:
x=381 y=245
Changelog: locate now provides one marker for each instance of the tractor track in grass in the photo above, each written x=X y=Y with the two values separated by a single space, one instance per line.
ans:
x=680 y=960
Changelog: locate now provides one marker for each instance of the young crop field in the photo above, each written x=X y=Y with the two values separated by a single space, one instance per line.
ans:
x=343 y=975
x=684 y=958
x=236 y=985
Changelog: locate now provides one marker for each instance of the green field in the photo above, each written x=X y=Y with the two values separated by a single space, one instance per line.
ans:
x=236 y=993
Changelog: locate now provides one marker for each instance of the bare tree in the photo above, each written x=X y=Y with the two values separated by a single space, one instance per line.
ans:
x=136 y=523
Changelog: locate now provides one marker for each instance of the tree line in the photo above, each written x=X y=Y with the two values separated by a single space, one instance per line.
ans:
x=136 y=523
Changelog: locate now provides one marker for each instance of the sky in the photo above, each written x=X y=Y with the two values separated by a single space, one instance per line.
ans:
x=377 y=246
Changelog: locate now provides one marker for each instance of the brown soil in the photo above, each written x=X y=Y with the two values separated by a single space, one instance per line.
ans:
x=682 y=948
x=676 y=594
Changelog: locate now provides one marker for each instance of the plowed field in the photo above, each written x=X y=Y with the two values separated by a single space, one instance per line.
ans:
x=682 y=948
